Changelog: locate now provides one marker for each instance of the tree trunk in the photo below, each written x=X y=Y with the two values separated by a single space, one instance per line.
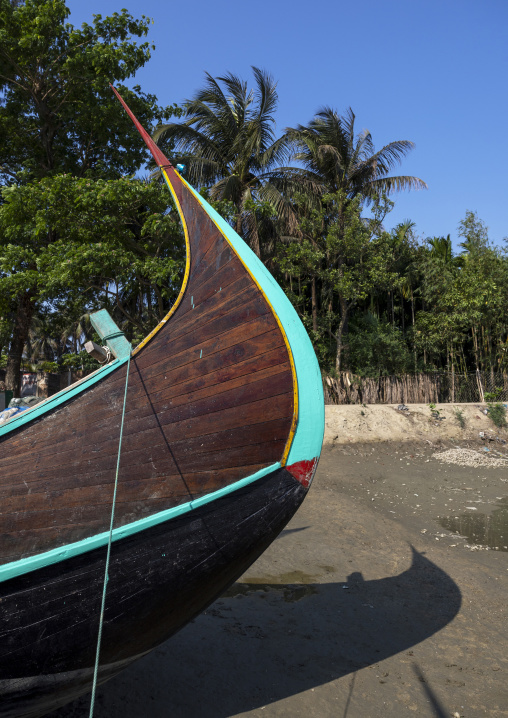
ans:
x=238 y=223
x=475 y=347
x=314 y=305
x=24 y=313
x=340 y=332
x=453 y=375
x=255 y=246
x=160 y=303
x=413 y=323
x=254 y=242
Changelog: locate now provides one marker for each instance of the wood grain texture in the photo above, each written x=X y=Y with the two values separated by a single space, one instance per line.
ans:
x=210 y=397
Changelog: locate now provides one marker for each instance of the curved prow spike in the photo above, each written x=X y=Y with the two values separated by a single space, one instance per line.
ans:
x=199 y=219
x=157 y=154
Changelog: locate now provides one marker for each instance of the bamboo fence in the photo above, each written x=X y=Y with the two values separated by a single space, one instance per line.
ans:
x=435 y=387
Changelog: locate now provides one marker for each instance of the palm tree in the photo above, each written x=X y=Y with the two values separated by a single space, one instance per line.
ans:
x=337 y=162
x=229 y=146
x=441 y=248
x=41 y=344
x=402 y=239
x=335 y=159
x=76 y=331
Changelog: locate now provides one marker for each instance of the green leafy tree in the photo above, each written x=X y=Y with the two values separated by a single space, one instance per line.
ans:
x=481 y=298
x=345 y=256
x=113 y=241
x=463 y=319
x=57 y=111
x=376 y=347
x=441 y=325
x=57 y=114
x=474 y=233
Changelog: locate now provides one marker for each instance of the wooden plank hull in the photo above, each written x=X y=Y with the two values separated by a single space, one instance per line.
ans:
x=198 y=400
x=49 y=633
x=223 y=427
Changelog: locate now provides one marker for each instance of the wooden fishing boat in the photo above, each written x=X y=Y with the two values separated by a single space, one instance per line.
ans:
x=222 y=432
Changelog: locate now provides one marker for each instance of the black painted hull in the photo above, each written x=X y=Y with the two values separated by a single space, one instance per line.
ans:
x=159 y=580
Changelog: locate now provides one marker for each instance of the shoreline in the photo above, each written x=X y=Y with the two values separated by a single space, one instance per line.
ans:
x=372 y=423
x=385 y=596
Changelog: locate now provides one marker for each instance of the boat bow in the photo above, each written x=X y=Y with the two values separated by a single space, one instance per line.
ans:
x=305 y=439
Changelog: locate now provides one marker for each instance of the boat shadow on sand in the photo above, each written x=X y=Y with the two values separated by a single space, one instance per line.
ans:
x=263 y=642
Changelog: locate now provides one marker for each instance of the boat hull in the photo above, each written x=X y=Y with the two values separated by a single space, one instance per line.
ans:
x=224 y=392
x=177 y=568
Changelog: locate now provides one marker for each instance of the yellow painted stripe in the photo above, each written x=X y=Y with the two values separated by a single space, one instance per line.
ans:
x=186 y=275
x=252 y=276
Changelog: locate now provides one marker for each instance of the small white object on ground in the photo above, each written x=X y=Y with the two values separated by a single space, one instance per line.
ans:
x=468 y=457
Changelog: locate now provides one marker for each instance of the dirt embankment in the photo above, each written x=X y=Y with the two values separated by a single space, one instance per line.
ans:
x=359 y=423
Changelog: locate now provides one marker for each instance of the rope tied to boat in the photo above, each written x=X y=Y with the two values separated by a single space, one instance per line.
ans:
x=108 y=554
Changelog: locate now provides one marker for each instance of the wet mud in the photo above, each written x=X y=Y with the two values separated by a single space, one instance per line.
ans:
x=482 y=530
x=385 y=596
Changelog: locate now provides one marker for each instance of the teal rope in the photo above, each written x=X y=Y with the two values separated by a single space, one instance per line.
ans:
x=106 y=577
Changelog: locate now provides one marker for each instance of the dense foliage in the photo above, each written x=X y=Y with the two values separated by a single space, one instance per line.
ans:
x=395 y=303
x=113 y=243
x=79 y=231
x=59 y=116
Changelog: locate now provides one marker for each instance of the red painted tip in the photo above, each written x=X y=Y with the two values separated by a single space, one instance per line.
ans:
x=158 y=156
x=303 y=471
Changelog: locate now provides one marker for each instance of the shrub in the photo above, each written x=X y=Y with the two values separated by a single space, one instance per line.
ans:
x=48 y=366
x=435 y=412
x=461 y=419
x=82 y=360
x=497 y=412
x=494 y=395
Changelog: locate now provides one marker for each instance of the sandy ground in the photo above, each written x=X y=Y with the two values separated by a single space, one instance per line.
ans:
x=370 y=604
x=349 y=424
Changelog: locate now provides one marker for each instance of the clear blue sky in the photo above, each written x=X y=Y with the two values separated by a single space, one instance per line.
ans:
x=433 y=72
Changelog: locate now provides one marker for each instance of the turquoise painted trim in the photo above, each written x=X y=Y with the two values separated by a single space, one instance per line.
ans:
x=57 y=399
x=32 y=563
x=308 y=438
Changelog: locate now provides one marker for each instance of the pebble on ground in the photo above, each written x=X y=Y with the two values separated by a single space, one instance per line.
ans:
x=469 y=457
